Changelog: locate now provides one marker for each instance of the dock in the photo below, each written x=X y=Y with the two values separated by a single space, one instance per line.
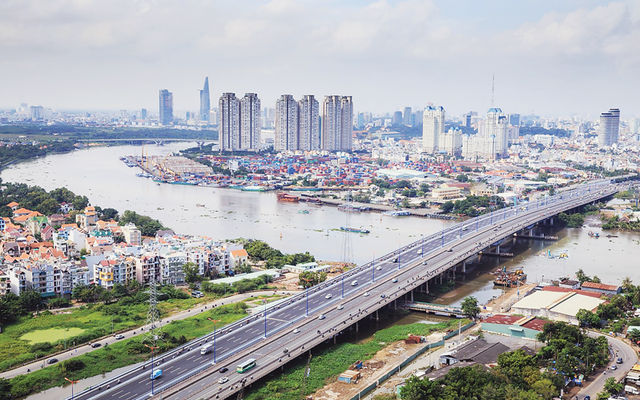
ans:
x=434 y=308
x=537 y=237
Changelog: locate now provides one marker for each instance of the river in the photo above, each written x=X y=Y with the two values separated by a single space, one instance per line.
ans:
x=98 y=173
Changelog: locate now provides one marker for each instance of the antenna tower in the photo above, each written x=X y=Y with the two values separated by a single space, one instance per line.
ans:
x=347 y=249
x=154 y=332
x=493 y=82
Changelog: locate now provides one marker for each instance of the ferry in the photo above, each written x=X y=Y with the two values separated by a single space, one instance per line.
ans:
x=595 y=235
x=288 y=197
x=303 y=212
x=356 y=230
x=253 y=188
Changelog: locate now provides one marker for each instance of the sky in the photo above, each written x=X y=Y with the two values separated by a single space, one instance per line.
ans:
x=549 y=57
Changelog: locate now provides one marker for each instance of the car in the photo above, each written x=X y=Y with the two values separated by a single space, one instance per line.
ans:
x=224 y=379
x=464 y=228
x=614 y=367
x=383 y=295
x=395 y=260
x=619 y=360
x=394 y=280
x=366 y=294
x=354 y=283
x=378 y=268
x=52 y=361
x=156 y=374
x=321 y=316
x=340 y=307
x=420 y=251
x=296 y=330
x=223 y=370
x=94 y=345
x=424 y=262
x=328 y=296
x=285 y=351
x=119 y=336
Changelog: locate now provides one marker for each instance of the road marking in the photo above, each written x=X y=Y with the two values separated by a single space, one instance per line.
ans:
x=126 y=394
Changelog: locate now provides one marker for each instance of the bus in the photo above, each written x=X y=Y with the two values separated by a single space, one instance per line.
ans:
x=247 y=365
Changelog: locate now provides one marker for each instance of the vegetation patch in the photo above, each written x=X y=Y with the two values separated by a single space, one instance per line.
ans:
x=122 y=353
x=327 y=364
x=51 y=335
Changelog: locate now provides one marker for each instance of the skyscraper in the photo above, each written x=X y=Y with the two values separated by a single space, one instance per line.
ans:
x=229 y=128
x=166 y=107
x=250 y=124
x=496 y=129
x=432 y=128
x=609 y=127
x=406 y=116
x=397 y=117
x=308 y=123
x=143 y=113
x=286 y=132
x=205 y=102
x=337 y=123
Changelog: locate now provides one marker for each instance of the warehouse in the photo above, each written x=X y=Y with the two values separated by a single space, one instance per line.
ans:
x=557 y=306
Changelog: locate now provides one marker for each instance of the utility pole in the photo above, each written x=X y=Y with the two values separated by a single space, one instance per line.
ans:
x=214 y=337
x=305 y=375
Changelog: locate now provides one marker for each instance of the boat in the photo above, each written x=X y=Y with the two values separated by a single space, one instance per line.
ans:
x=356 y=230
x=397 y=213
x=199 y=205
x=509 y=279
x=612 y=236
x=303 y=212
x=592 y=234
x=158 y=183
x=288 y=197
x=351 y=207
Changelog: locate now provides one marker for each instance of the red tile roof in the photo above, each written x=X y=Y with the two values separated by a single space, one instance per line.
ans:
x=582 y=292
x=600 y=286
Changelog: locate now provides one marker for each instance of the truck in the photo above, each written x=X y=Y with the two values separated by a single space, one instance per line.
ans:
x=631 y=389
x=206 y=349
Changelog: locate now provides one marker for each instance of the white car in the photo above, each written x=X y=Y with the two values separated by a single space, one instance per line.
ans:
x=118 y=337
x=296 y=330
x=223 y=379
x=340 y=307
x=321 y=316
x=394 y=280
x=378 y=268
x=328 y=296
x=366 y=294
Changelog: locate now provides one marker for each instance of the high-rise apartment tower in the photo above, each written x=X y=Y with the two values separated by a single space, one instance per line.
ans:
x=432 y=128
x=609 y=127
x=166 y=107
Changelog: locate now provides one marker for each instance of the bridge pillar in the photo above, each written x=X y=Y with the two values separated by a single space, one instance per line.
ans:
x=551 y=221
x=377 y=317
x=464 y=267
x=498 y=249
x=395 y=304
x=335 y=339
x=357 y=327
x=411 y=300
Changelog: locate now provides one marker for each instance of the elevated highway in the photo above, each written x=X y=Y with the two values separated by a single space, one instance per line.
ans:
x=290 y=328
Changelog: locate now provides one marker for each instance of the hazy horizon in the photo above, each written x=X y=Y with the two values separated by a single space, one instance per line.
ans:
x=550 y=58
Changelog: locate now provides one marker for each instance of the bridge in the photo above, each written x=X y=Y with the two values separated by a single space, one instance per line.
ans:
x=433 y=308
x=157 y=141
x=292 y=327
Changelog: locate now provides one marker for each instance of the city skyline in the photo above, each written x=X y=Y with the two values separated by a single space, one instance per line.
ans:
x=549 y=57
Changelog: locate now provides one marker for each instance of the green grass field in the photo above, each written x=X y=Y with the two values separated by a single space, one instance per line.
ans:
x=51 y=335
x=124 y=352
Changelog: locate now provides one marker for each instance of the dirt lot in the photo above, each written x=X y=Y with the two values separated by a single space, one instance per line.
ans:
x=372 y=369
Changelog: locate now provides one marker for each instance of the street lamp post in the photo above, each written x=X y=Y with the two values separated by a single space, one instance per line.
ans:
x=265 y=317
x=72 y=383
x=343 y=285
x=306 y=290
x=152 y=377
x=214 y=337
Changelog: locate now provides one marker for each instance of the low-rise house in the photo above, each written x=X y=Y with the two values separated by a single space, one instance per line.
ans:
x=601 y=288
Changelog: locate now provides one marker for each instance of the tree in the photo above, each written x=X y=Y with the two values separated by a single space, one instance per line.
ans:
x=310 y=278
x=513 y=365
x=191 y=273
x=545 y=389
x=109 y=214
x=30 y=299
x=470 y=307
x=447 y=207
x=242 y=268
x=588 y=318
x=612 y=386
x=462 y=178
x=420 y=389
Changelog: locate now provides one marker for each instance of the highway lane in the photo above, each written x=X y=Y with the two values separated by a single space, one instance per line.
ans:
x=375 y=278
x=413 y=279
